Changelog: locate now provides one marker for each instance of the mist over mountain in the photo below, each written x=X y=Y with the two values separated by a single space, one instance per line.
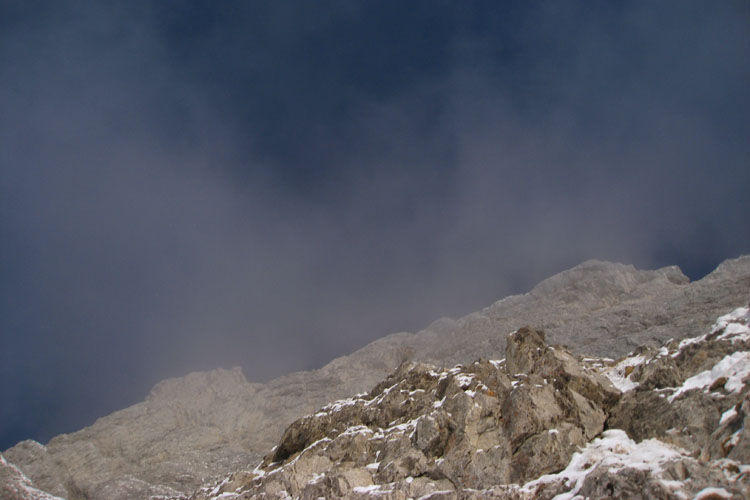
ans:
x=186 y=186
x=536 y=383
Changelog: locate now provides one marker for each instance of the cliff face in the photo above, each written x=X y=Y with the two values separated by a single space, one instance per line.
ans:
x=542 y=423
x=206 y=425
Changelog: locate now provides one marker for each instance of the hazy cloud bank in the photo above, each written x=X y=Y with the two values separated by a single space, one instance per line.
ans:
x=188 y=187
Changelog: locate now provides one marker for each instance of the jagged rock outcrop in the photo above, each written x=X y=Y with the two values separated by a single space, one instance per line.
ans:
x=537 y=424
x=173 y=441
x=705 y=413
x=208 y=424
x=15 y=485
x=418 y=416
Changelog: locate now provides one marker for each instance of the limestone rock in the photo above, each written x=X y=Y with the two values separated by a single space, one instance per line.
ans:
x=424 y=430
x=14 y=485
x=172 y=442
x=39 y=466
x=703 y=418
x=206 y=425
x=538 y=424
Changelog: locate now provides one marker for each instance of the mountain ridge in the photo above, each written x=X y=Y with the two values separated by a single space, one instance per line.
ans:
x=538 y=424
x=205 y=424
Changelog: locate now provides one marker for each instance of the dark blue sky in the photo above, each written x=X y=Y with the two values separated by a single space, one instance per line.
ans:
x=191 y=185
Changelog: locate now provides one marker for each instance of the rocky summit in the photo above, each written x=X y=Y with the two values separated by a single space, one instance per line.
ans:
x=543 y=412
x=667 y=423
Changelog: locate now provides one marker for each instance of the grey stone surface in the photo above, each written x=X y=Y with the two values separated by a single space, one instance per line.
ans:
x=530 y=426
x=465 y=428
x=205 y=425
x=14 y=485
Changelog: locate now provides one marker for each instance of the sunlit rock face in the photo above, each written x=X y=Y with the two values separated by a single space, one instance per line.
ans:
x=195 y=430
x=483 y=424
x=541 y=423
x=15 y=485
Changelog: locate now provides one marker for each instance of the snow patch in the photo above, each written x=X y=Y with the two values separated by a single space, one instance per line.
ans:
x=216 y=490
x=356 y=429
x=226 y=496
x=712 y=493
x=734 y=327
x=741 y=314
x=728 y=415
x=614 y=450
x=463 y=380
x=620 y=374
x=373 y=490
x=338 y=405
x=734 y=367
x=497 y=363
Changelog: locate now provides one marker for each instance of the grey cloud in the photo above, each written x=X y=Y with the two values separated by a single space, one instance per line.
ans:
x=148 y=228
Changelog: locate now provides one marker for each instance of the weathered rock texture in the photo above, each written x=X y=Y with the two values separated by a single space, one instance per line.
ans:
x=14 y=484
x=208 y=424
x=538 y=424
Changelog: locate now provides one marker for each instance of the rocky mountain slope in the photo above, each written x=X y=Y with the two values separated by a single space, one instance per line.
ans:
x=206 y=425
x=666 y=423
x=15 y=485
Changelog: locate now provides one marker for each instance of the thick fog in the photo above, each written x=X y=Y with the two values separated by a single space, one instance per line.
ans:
x=185 y=186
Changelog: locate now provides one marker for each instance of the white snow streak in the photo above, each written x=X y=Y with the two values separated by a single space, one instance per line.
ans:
x=734 y=367
x=614 y=450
